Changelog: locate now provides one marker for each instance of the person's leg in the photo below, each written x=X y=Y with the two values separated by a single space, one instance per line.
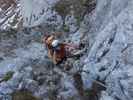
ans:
x=61 y=61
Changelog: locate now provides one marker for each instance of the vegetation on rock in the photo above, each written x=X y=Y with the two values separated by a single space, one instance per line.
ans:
x=23 y=95
x=8 y=76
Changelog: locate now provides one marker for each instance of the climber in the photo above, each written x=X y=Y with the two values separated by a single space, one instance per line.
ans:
x=58 y=51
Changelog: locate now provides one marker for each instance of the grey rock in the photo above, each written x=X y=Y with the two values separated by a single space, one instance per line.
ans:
x=110 y=57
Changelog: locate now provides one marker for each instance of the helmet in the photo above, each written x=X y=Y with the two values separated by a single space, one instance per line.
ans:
x=48 y=39
x=45 y=38
x=55 y=43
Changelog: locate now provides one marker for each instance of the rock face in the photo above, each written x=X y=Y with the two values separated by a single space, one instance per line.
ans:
x=21 y=66
x=55 y=15
x=110 y=58
x=36 y=13
x=107 y=61
x=10 y=17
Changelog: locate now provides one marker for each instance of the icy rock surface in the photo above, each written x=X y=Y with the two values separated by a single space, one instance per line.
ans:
x=46 y=14
x=10 y=16
x=110 y=57
x=21 y=66
x=33 y=71
x=108 y=30
x=37 y=12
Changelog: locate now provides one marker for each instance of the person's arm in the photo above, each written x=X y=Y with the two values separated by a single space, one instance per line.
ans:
x=54 y=58
x=50 y=54
x=71 y=45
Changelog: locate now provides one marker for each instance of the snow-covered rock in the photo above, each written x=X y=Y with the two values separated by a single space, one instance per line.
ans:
x=52 y=15
x=37 y=12
x=10 y=17
x=21 y=66
x=110 y=57
x=108 y=30
x=105 y=96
